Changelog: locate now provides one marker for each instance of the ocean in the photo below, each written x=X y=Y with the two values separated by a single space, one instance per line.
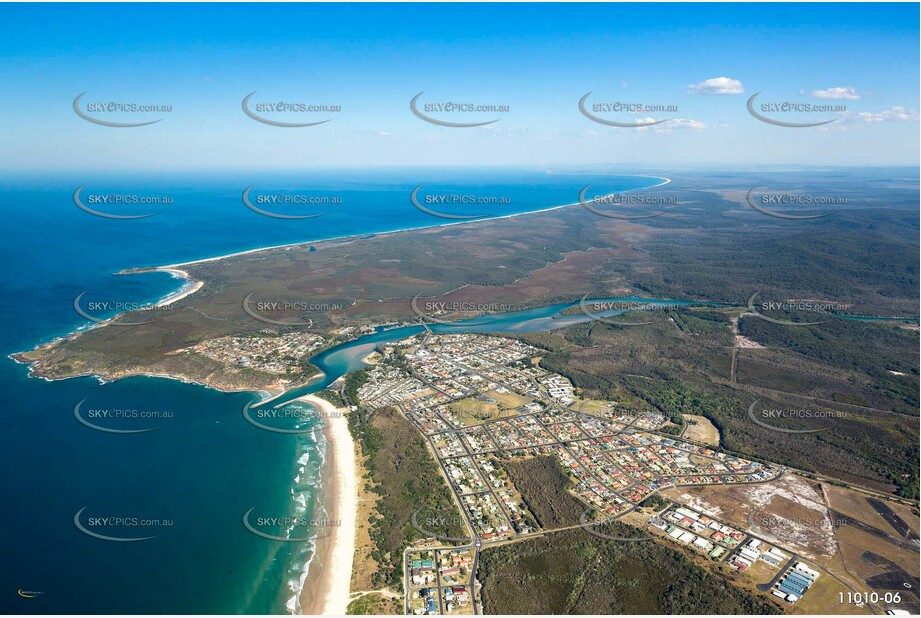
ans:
x=187 y=481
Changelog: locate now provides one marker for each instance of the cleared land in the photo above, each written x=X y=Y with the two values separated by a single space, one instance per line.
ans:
x=700 y=429
x=489 y=406
x=863 y=376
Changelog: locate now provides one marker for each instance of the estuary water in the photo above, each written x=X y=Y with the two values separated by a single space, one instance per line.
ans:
x=193 y=467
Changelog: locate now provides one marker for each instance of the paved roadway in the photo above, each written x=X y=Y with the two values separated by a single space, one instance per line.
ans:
x=478 y=544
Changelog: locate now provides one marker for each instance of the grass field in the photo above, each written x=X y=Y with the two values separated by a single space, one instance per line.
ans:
x=508 y=400
x=474 y=411
x=375 y=604
x=823 y=597
x=593 y=406
x=477 y=410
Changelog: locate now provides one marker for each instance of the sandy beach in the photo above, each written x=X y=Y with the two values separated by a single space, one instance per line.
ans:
x=190 y=286
x=326 y=588
x=193 y=285
x=175 y=267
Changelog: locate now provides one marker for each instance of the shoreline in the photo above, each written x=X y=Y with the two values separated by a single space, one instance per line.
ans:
x=327 y=583
x=267 y=392
x=178 y=265
x=193 y=285
x=188 y=288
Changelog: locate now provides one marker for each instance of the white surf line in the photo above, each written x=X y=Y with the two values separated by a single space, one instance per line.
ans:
x=178 y=265
x=176 y=269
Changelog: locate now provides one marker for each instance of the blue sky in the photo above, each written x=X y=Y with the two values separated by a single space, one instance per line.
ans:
x=537 y=59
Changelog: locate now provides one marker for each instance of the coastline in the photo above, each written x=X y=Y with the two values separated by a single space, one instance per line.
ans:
x=329 y=574
x=327 y=582
x=188 y=288
x=192 y=285
x=177 y=266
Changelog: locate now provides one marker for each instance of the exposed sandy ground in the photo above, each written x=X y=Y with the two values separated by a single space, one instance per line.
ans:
x=789 y=511
x=327 y=588
x=702 y=430
x=744 y=342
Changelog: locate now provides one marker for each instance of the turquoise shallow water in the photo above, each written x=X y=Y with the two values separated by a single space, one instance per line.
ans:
x=340 y=360
x=188 y=482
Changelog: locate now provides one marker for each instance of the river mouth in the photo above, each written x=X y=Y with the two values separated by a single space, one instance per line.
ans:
x=338 y=361
x=344 y=358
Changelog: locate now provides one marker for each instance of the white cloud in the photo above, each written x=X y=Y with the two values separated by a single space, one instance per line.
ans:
x=366 y=133
x=674 y=124
x=717 y=85
x=687 y=123
x=497 y=130
x=839 y=92
x=896 y=112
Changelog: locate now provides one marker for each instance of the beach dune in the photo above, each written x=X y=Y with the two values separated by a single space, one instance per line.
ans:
x=326 y=588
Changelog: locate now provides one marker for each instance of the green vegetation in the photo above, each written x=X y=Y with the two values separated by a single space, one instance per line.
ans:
x=867 y=349
x=331 y=396
x=672 y=430
x=687 y=371
x=655 y=501
x=374 y=604
x=866 y=257
x=717 y=250
x=406 y=478
x=908 y=484
x=544 y=487
x=709 y=322
x=574 y=572
x=354 y=381
x=673 y=399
